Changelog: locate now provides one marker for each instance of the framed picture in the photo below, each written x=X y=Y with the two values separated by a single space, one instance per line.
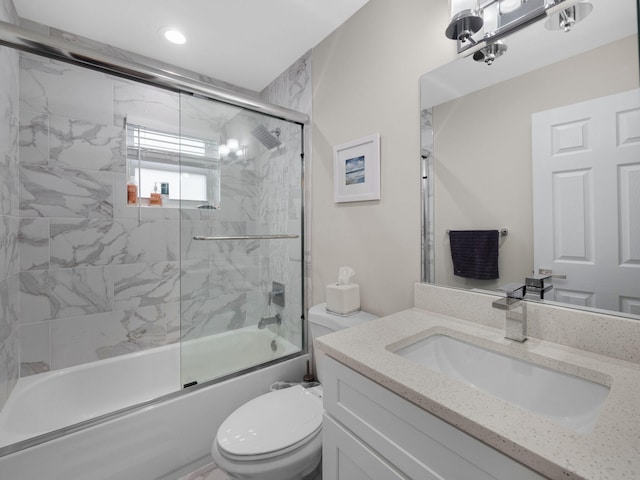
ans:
x=356 y=170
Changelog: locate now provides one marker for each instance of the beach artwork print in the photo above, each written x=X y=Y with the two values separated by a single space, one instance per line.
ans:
x=354 y=170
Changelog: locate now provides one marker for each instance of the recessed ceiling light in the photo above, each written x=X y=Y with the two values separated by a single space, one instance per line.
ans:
x=173 y=35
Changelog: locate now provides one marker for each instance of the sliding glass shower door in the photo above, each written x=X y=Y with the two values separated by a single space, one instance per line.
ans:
x=240 y=191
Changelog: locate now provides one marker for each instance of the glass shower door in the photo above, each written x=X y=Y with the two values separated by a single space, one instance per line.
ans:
x=241 y=240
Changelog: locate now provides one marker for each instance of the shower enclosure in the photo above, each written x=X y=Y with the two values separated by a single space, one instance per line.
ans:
x=159 y=239
x=240 y=240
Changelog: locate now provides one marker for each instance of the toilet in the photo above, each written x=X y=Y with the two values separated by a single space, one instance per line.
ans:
x=277 y=436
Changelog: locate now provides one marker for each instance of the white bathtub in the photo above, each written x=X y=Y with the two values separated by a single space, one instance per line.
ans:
x=148 y=443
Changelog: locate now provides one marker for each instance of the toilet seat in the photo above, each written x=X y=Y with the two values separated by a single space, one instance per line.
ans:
x=271 y=425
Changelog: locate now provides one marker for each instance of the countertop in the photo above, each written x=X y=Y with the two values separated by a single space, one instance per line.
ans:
x=611 y=451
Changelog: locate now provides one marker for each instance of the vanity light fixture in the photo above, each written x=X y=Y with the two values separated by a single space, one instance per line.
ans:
x=566 y=18
x=478 y=26
x=466 y=20
x=233 y=148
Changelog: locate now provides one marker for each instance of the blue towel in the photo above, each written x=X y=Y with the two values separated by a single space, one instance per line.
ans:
x=475 y=253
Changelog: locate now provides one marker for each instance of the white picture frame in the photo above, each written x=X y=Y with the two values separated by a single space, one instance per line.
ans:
x=356 y=170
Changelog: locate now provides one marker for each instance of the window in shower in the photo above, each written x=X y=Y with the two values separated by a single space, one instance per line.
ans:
x=179 y=168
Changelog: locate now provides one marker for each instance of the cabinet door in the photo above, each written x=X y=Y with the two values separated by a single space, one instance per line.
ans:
x=344 y=457
x=415 y=442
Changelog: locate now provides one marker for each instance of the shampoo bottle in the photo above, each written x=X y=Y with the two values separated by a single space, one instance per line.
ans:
x=132 y=191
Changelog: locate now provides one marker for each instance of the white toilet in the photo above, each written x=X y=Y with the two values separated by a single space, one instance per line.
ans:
x=277 y=436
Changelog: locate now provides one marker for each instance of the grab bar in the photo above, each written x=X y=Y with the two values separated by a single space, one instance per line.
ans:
x=246 y=237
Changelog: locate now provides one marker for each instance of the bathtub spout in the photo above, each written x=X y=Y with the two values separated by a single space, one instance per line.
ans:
x=264 y=321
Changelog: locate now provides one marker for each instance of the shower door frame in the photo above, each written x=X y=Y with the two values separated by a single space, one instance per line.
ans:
x=158 y=74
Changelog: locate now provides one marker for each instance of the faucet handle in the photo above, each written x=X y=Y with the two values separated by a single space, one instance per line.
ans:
x=514 y=290
x=548 y=271
x=538 y=281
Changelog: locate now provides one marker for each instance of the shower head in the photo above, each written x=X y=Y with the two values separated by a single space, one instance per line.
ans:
x=270 y=139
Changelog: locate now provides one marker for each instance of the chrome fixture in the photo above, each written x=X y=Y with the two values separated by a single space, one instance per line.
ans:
x=276 y=295
x=504 y=231
x=247 y=237
x=537 y=286
x=489 y=53
x=465 y=21
x=566 y=18
x=142 y=69
x=275 y=320
x=269 y=138
x=515 y=326
x=478 y=26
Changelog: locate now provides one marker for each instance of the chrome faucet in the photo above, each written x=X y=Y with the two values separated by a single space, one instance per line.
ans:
x=264 y=321
x=537 y=286
x=515 y=326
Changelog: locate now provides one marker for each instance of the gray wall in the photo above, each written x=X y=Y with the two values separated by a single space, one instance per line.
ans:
x=9 y=308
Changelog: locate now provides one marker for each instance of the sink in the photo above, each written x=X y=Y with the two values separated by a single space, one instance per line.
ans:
x=565 y=399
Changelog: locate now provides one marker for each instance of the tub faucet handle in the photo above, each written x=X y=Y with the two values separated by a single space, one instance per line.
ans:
x=276 y=295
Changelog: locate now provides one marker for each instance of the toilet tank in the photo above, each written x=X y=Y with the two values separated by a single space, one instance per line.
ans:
x=322 y=322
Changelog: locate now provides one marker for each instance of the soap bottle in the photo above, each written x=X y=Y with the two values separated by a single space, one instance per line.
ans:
x=132 y=191
x=156 y=198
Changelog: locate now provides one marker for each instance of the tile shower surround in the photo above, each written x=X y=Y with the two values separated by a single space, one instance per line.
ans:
x=92 y=284
x=9 y=221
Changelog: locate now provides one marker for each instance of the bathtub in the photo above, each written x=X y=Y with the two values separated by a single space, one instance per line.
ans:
x=160 y=440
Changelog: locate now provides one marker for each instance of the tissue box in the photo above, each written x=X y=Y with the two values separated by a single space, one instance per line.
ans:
x=343 y=299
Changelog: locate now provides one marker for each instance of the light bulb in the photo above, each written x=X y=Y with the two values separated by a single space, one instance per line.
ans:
x=173 y=35
x=507 y=6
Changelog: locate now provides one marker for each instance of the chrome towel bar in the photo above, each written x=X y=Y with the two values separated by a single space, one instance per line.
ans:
x=246 y=237
x=503 y=232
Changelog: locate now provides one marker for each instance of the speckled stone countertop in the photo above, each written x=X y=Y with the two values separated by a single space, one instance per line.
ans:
x=611 y=451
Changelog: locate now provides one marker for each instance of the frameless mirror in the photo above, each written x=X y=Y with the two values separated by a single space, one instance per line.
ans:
x=545 y=144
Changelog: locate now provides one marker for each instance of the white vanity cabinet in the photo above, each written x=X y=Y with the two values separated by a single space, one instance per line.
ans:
x=370 y=432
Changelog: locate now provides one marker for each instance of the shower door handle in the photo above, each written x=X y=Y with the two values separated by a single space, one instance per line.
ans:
x=246 y=237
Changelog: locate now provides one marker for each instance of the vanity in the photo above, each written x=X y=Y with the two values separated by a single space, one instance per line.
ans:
x=391 y=413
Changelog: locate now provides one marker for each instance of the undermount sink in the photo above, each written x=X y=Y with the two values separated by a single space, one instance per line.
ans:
x=567 y=400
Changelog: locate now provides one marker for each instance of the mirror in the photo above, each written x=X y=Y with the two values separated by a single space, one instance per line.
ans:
x=504 y=147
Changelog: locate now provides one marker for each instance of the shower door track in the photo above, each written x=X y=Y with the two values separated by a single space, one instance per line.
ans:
x=151 y=72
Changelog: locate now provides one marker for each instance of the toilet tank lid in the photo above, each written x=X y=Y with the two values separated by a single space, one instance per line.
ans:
x=271 y=422
x=318 y=315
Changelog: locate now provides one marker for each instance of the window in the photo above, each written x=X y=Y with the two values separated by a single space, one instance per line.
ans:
x=180 y=168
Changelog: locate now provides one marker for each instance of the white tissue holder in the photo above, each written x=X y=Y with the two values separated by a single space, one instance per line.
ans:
x=343 y=299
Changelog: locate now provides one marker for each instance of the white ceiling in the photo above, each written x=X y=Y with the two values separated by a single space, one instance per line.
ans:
x=244 y=42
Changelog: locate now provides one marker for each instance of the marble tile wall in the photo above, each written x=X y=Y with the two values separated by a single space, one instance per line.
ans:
x=97 y=278
x=426 y=150
x=281 y=207
x=9 y=221
x=9 y=259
